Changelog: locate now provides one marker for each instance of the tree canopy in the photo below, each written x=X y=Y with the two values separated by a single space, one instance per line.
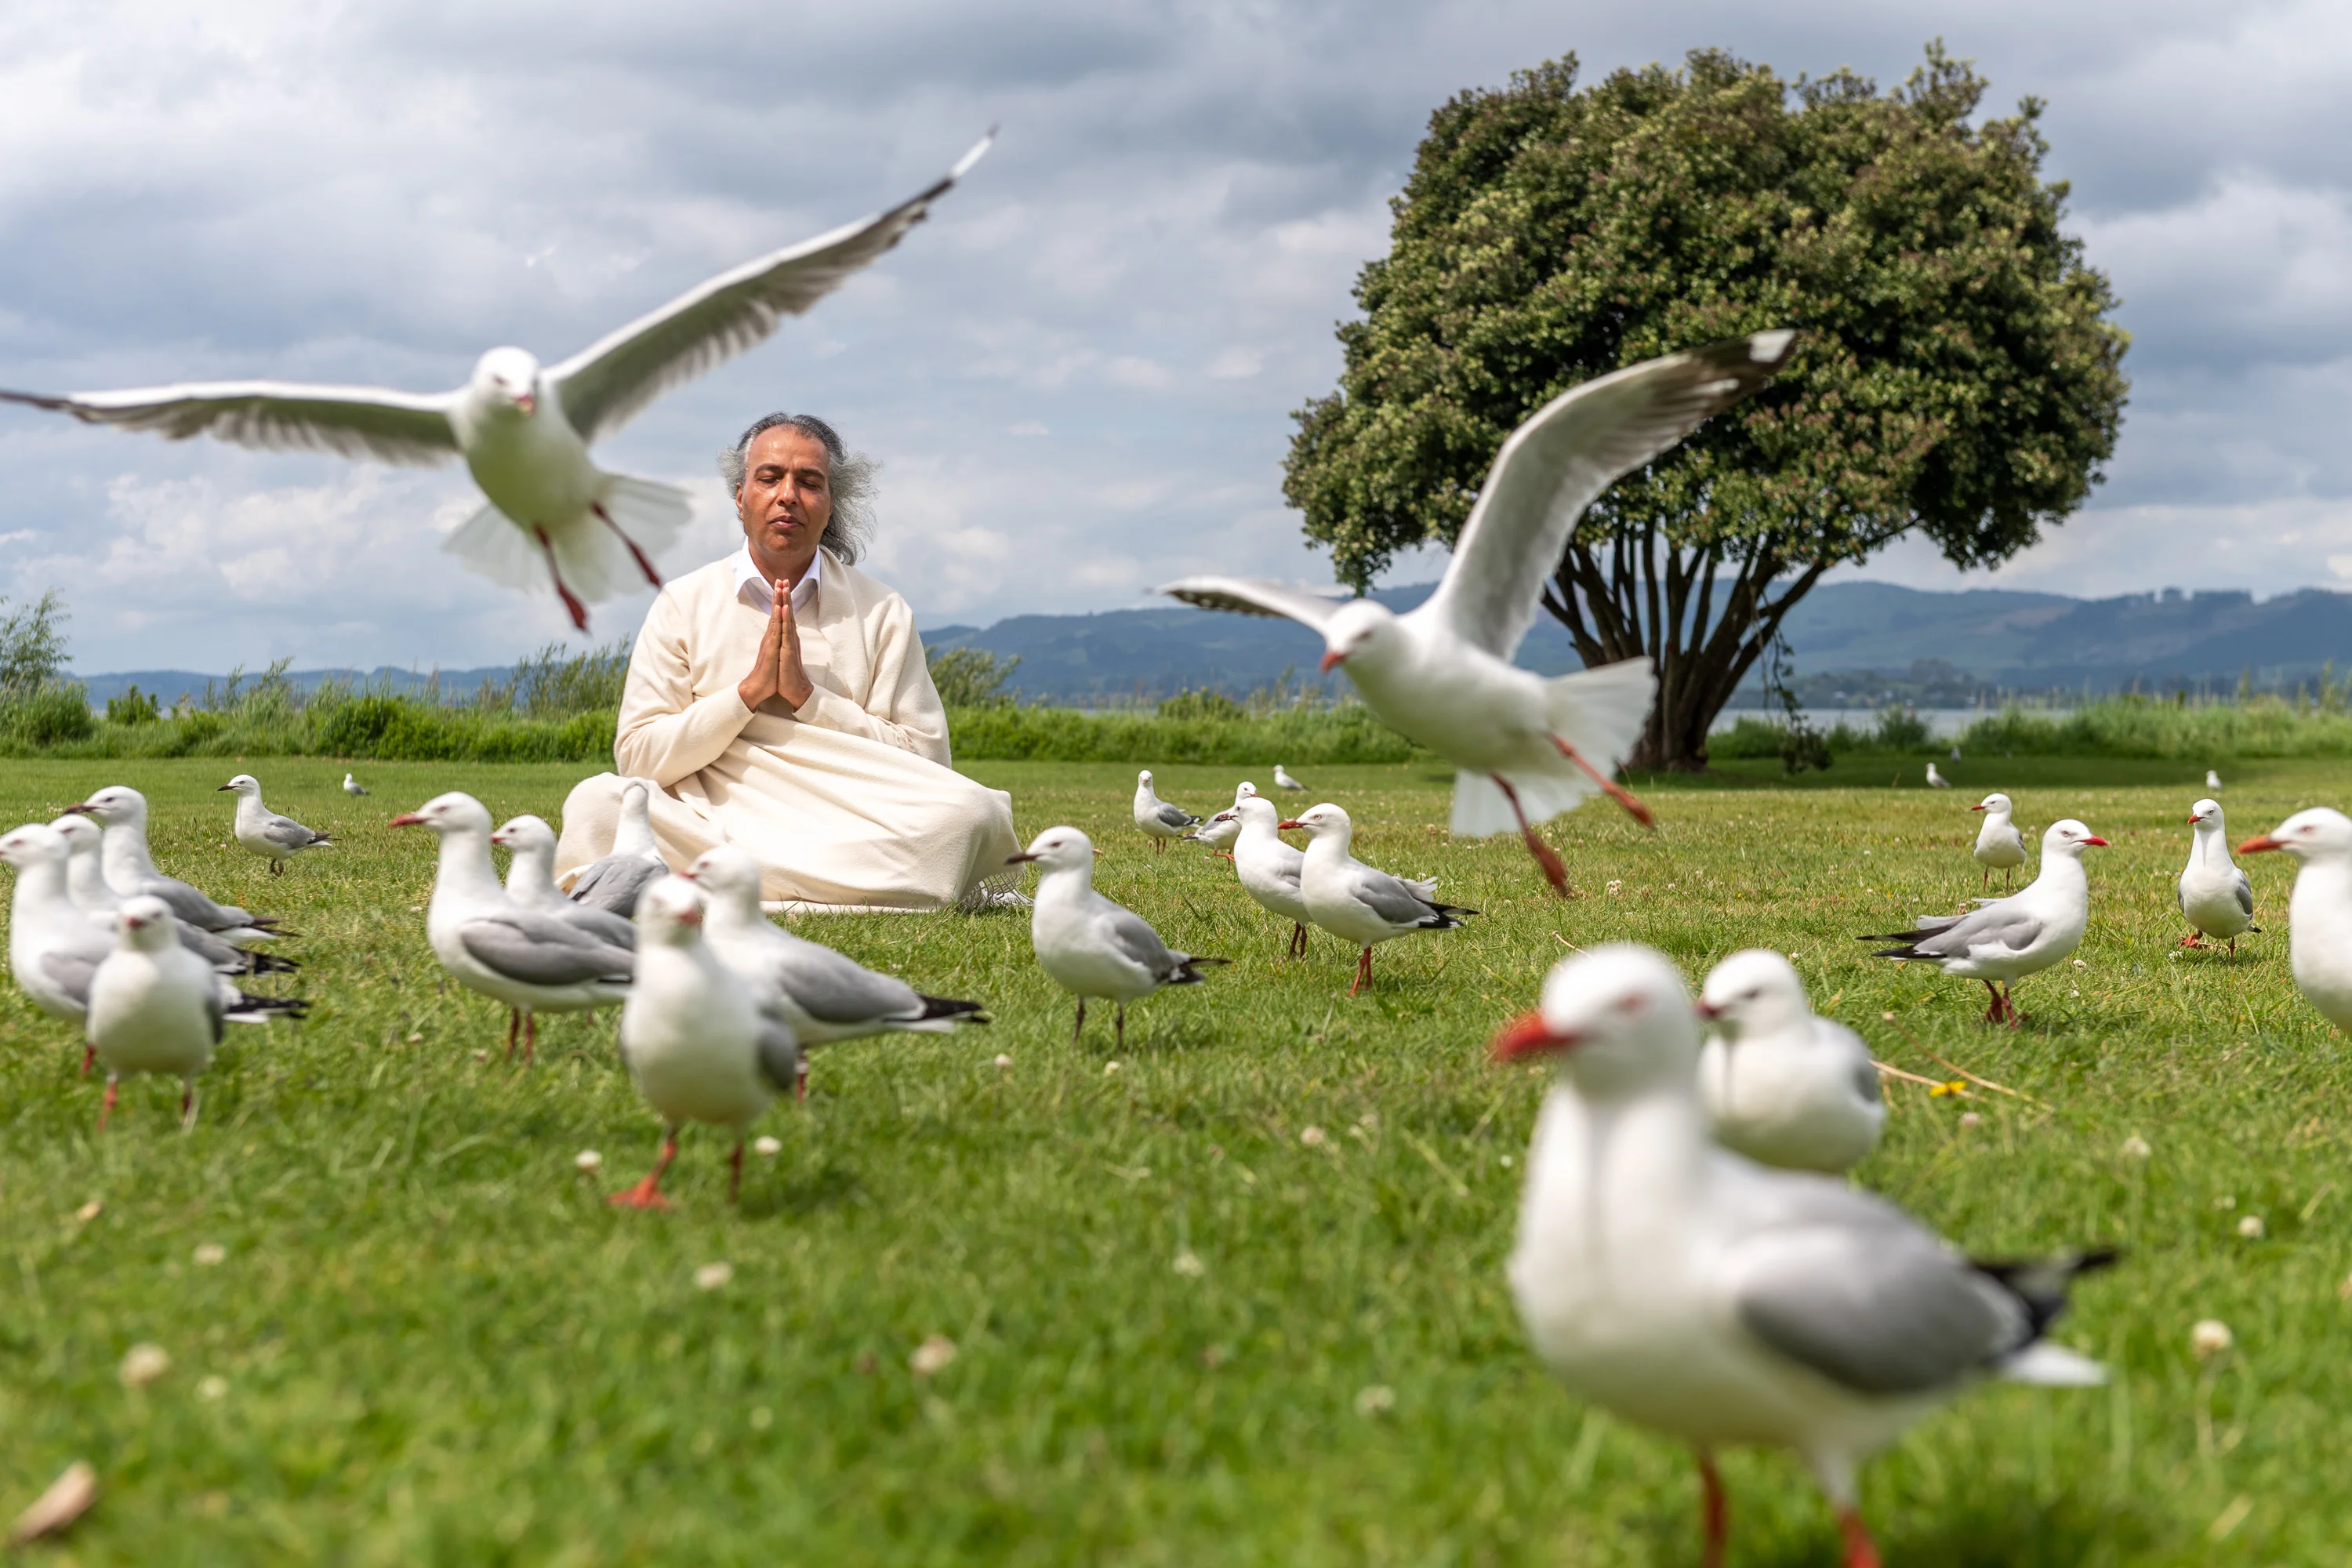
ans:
x=1957 y=374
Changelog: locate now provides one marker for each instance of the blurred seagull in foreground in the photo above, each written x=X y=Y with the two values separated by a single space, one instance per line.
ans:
x=1090 y=945
x=263 y=832
x=2006 y=940
x=1526 y=747
x=86 y=885
x=524 y=429
x=2319 y=911
x=131 y=870
x=2000 y=845
x=2214 y=893
x=1783 y=1086
x=1695 y=1292
x=529 y=843
x=155 y=1006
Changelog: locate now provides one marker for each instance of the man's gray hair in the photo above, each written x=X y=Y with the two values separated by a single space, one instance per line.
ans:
x=851 y=528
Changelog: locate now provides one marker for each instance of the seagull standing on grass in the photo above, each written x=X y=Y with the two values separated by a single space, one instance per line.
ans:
x=1282 y=779
x=534 y=963
x=263 y=832
x=1270 y=870
x=54 y=948
x=2009 y=939
x=2000 y=845
x=524 y=429
x=2214 y=894
x=1715 y=1301
x=86 y=885
x=698 y=1040
x=1528 y=748
x=1781 y=1085
x=530 y=881
x=2319 y=911
x=1936 y=780
x=352 y=786
x=1089 y=945
x=1218 y=833
x=2212 y=782
x=155 y=1006
x=131 y=870
x=1158 y=820
x=1358 y=903
x=614 y=882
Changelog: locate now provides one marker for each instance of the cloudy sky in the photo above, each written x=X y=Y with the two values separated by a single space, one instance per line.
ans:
x=1078 y=375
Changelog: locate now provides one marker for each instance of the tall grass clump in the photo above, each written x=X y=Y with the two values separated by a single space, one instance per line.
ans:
x=2206 y=733
x=38 y=707
x=1296 y=737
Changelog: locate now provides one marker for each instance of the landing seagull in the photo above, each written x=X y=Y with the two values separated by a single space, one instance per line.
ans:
x=2214 y=893
x=2008 y=939
x=263 y=832
x=524 y=429
x=1716 y=1300
x=1526 y=747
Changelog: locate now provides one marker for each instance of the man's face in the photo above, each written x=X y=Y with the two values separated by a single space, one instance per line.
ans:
x=787 y=495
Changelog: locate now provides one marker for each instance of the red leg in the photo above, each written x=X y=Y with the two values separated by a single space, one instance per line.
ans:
x=1714 y=1511
x=571 y=600
x=1545 y=856
x=88 y=1055
x=1363 y=972
x=514 y=1026
x=2009 y=1007
x=735 y=1174
x=800 y=1082
x=1080 y=1027
x=1119 y=1027
x=1859 y=1550
x=1298 y=939
x=643 y=565
x=530 y=1038
x=1610 y=786
x=1222 y=856
x=106 y=1106
x=1992 y=1008
x=647 y=1194
x=2192 y=940
x=188 y=1105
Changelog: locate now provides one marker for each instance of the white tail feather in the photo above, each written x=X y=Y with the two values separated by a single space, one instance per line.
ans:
x=595 y=562
x=487 y=543
x=1601 y=711
x=1480 y=808
x=2054 y=1366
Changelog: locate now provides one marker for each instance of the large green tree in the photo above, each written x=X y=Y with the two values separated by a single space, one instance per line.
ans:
x=1958 y=373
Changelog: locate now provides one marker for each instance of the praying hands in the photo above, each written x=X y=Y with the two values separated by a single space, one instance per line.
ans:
x=776 y=671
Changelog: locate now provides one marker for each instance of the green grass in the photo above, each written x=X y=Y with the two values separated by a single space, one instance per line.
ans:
x=439 y=1345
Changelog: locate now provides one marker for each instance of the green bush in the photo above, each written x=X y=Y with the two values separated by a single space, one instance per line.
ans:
x=1900 y=729
x=1299 y=737
x=1203 y=704
x=50 y=715
x=971 y=677
x=2208 y=734
x=133 y=707
x=1749 y=739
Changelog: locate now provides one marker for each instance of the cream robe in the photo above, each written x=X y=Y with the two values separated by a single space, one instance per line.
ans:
x=848 y=803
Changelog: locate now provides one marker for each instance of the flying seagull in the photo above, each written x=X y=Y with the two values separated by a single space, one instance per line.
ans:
x=524 y=429
x=1526 y=747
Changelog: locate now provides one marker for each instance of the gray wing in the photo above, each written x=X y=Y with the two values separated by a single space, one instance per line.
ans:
x=1871 y=1302
x=208 y=947
x=1392 y=898
x=1132 y=935
x=2245 y=895
x=836 y=989
x=1566 y=454
x=603 y=924
x=2180 y=892
x=614 y=883
x=289 y=834
x=277 y=415
x=1175 y=815
x=192 y=906
x=541 y=949
x=779 y=1052
x=1252 y=596
x=604 y=384
x=2012 y=928
x=70 y=972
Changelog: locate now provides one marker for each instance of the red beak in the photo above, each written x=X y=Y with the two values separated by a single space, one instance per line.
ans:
x=2195 y=820
x=527 y=403
x=1287 y=824
x=1525 y=1035
x=1710 y=1011
x=690 y=917
x=2094 y=841
x=1976 y=808
x=2259 y=843
x=406 y=819
x=1332 y=659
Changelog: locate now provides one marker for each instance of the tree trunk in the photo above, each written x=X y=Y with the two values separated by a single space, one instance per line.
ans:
x=1702 y=617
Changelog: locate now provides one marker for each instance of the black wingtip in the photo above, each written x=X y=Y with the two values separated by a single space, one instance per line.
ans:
x=39 y=400
x=949 y=1007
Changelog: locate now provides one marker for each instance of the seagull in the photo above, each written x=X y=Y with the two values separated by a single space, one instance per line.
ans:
x=1270 y=870
x=2000 y=845
x=1159 y=820
x=2006 y=940
x=131 y=870
x=532 y=962
x=524 y=429
x=54 y=948
x=1219 y=832
x=1283 y=779
x=155 y=1006
x=823 y=994
x=698 y=1040
x=1690 y=1290
x=1354 y=901
x=614 y=882
x=530 y=881
x=86 y=886
x=2319 y=911
x=275 y=839
x=1936 y=780
x=1781 y=1085
x=2213 y=891
x=1088 y=944
x=352 y=786
x=1526 y=747
x=1956 y=753
x=2212 y=782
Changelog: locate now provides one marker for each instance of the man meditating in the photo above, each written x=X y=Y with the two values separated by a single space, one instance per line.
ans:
x=780 y=699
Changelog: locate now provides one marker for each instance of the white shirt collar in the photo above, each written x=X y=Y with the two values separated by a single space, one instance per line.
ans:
x=749 y=585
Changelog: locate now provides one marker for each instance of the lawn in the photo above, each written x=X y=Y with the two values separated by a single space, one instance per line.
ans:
x=1234 y=1294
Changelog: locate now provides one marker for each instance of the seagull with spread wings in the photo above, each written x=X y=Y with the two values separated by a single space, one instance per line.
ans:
x=1526 y=747
x=524 y=429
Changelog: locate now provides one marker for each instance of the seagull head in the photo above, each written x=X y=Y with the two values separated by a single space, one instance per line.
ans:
x=506 y=378
x=1616 y=1018
x=1246 y=790
x=455 y=812
x=35 y=843
x=670 y=913
x=82 y=835
x=1322 y=822
x=2318 y=834
x=244 y=783
x=114 y=804
x=726 y=874
x=1754 y=993
x=1355 y=626
x=1256 y=809
x=2205 y=816
x=145 y=923
x=1995 y=801
x=525 y=833
x=1059 y=849
x=2068 y=836
x=1143 y=779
